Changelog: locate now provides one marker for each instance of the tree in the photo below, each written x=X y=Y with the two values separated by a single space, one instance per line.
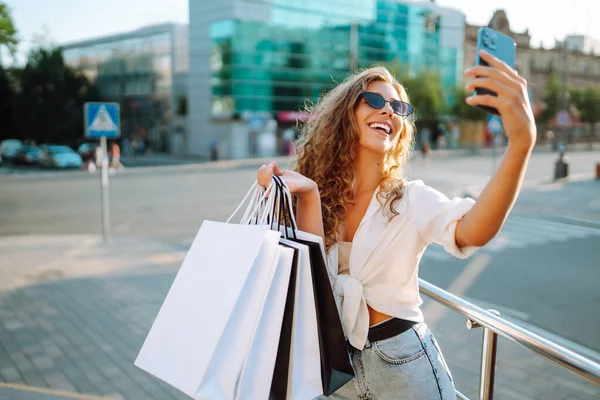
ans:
x=551 y=103
x=8 y=32
x=589 y=106
x=7 y=101
x=424 y=89
x=49 y=104
x=472 y=125
x=464 y=111
x=182 y=107
x=427 y=95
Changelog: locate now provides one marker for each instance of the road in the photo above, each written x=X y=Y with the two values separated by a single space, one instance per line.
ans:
x=542 y=268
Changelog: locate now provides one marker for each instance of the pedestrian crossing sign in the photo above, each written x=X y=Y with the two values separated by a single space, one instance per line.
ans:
x=102 y=119
x=495 y=124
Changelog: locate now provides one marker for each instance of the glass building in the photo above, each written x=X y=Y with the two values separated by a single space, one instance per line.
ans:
x=267 y=58
x=145 y=71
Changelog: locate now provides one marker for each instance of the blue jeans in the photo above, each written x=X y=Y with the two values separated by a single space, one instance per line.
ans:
x=407 y=366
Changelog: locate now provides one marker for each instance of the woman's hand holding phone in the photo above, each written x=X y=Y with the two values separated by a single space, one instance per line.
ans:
x=512 y=100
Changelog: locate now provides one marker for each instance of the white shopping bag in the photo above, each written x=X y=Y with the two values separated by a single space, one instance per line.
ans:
x=200 y=303
x=225 y=367
x=257 y=375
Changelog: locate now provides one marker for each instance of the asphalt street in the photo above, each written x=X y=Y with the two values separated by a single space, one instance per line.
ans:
x=541 y=269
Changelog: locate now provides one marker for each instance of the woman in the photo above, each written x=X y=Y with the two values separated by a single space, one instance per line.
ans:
x=350 y=190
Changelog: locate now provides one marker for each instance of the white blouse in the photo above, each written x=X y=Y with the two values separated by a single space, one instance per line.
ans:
x=384 y=257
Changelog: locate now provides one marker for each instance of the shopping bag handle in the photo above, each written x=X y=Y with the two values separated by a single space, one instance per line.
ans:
x=253 y=191
x=285 y=208
x=253 y=211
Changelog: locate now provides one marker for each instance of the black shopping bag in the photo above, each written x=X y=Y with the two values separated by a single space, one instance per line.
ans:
x=336 y=369
x=282 y=362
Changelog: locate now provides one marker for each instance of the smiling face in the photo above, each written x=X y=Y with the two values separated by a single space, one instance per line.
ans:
x=378 y=129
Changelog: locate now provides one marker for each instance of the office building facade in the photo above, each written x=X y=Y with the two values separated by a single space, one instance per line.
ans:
x=146 y=72
x=255 y=63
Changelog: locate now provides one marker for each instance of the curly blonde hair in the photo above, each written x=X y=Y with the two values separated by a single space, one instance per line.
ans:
x=327 y=148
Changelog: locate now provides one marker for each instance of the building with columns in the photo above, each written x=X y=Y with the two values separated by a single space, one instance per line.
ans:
x=580 y=65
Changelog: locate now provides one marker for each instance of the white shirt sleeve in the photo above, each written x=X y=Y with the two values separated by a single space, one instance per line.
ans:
x=436 y=216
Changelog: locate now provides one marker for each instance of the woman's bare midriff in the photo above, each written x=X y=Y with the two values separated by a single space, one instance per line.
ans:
x=376 y=317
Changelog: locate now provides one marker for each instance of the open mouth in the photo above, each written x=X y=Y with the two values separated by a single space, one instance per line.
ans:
x=381 y=128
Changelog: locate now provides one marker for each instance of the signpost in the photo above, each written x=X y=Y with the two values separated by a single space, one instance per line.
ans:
x=101 y=121
x=563 y=119
x=494 y=124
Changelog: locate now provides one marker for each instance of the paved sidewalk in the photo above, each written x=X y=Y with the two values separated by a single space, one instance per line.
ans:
x=573 y=200
x=74 y=314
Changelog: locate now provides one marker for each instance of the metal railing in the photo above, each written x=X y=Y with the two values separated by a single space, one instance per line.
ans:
x=494 y=326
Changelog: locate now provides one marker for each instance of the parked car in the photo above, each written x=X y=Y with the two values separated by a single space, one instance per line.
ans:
x=28 y=155
x=9 y=148
x=53 y=156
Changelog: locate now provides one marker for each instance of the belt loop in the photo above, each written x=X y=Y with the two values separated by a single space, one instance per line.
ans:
x=368 y=344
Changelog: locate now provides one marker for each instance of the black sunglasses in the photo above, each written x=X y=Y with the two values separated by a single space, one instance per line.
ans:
x=377 y=101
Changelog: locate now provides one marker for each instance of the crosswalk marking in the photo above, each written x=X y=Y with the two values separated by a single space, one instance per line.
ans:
x=529 y=230
x=521 y=232
x=570 y=228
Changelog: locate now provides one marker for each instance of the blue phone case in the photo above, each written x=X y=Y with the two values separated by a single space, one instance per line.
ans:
x=498 y=45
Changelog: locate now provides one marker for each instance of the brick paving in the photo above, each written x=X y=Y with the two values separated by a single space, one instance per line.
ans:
x=74 y=313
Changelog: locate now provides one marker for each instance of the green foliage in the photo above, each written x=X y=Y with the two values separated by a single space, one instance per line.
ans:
x=588 y=103
x=49 y=103
x=464 y=111
x=182 y=107
x=8 y=32
x=426 y=94
x=424 y=89
x=551 y=100
x=7 y=101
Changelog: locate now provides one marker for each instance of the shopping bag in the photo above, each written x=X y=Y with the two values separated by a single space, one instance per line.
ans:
x=336 y=369
x=229 y=364
x=226 y=365
x=257 y=375
x=204 y=298
x=303 y=361
x=279 y=383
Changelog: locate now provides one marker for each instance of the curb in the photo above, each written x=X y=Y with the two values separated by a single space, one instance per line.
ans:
x=10 y=389
x=200 y=166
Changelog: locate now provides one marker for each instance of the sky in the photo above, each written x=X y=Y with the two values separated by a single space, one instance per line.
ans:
x=63 y=21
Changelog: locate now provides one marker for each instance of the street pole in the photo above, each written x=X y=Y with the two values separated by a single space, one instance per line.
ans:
x=565 y=99
x=493 y=154
x=104 y=190
x=353 y=46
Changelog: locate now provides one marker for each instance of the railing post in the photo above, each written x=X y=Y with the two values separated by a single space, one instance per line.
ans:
x=488 y=360
x=488 y=365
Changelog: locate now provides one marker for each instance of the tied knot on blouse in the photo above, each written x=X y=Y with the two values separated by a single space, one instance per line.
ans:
x=354 y=310
x=383 y=272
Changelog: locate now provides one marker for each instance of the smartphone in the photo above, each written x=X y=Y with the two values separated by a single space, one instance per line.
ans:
x=498 y=45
